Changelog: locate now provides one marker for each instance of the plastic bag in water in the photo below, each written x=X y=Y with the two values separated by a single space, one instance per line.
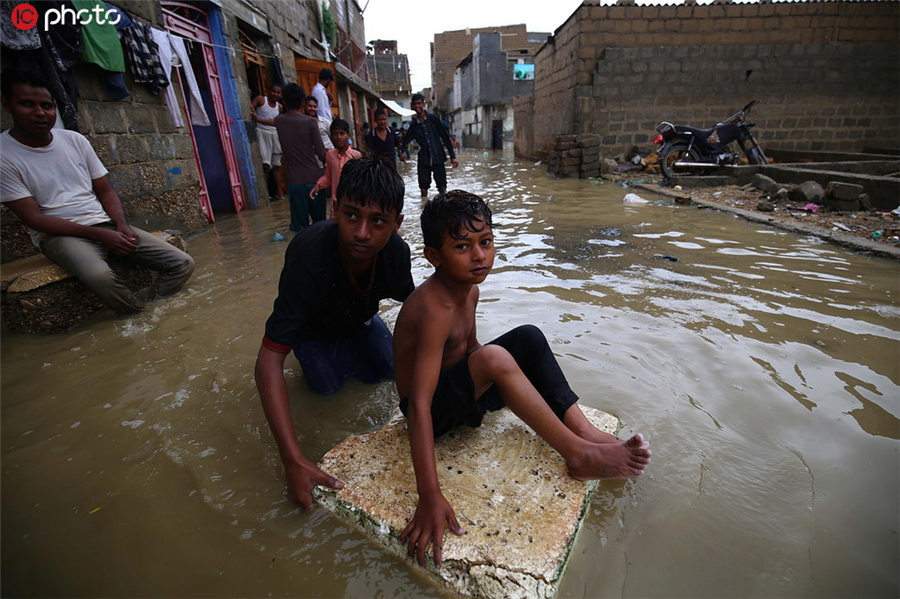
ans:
x=634 y=199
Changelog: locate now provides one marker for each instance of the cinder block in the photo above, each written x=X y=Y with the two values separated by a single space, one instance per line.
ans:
x=106 y=118
x=131 y=149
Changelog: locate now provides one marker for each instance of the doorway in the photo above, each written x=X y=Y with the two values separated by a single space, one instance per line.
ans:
x=497 y=134
x=220 y=182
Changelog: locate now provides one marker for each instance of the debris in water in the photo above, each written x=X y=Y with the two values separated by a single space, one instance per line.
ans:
x=276 y=236
x=666 y=257
x=634 y=199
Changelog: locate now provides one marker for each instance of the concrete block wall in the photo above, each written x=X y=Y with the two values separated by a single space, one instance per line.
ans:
x=810 y=96
x=825 y=73
x=150 y=162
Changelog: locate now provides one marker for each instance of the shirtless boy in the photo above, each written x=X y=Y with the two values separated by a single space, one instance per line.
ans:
x=445 y=378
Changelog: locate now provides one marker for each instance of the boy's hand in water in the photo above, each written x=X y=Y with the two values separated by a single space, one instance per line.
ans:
x=301 y=478
x=454 y=163
x=433 y=515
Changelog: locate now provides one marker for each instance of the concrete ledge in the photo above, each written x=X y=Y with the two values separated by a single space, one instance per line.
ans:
x=510 y=491
x=41 y=297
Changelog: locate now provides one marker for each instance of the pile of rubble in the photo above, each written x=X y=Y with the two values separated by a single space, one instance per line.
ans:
x=835 y=197
x=635 y=160
x=838 y=207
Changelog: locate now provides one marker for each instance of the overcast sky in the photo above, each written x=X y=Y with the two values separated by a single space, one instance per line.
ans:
x=413 y=23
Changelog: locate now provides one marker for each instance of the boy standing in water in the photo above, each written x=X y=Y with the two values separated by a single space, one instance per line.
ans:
x=335 y=159
x=446 y=378
x=432 y=137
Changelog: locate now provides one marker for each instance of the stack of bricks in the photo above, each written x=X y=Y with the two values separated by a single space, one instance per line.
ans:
x=575 y=156
x=590 y=156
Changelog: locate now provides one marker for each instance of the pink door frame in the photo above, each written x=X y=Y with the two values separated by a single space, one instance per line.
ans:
x=198 y=31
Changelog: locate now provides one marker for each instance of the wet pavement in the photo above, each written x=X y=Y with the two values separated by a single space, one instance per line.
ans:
x=762 y=365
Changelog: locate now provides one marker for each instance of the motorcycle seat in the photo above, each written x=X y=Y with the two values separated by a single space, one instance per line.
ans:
x=701 y=133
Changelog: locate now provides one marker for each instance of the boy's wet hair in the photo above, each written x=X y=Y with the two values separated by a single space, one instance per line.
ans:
x=416 y=98
x=13 y=77
x=365 y=181
x=339 y=125
x=381 y=110
x=449 y=213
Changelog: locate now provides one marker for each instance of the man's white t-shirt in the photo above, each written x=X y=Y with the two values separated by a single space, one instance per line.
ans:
x=324 y=106
x=58 y=176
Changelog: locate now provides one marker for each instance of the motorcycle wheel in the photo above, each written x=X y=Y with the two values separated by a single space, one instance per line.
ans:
x=672 y=153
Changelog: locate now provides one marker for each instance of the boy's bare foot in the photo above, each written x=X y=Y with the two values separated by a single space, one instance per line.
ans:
x=611 y=460
x=594 y=435
x=578 y=423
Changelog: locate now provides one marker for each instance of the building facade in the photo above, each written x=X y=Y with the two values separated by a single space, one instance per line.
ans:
x=389 y=75
x=484 y=85
x=449 y=48
x=173 y=169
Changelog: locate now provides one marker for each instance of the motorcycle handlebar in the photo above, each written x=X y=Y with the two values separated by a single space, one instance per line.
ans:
x=741 y=113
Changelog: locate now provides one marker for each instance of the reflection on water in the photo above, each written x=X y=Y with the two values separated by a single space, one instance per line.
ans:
x=763 y=366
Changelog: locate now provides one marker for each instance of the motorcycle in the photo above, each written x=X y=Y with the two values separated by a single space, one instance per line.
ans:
x=683 y=145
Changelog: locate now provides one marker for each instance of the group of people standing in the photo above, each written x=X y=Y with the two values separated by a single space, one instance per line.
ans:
x=298 y=134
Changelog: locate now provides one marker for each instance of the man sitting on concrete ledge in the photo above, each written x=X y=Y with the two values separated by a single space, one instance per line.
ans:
x=54 y=182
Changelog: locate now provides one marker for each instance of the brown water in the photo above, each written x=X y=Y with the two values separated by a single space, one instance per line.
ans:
x=763 y=366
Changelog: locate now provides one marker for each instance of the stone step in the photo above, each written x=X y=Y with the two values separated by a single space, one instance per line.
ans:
x=41 y=297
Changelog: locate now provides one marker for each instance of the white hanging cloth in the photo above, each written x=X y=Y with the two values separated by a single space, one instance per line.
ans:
x=172 y=52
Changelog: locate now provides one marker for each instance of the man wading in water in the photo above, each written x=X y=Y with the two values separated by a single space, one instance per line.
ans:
x=335 y=274
x=432 y=137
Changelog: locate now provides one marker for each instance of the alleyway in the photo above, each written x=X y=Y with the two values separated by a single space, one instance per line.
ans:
x=762 y=366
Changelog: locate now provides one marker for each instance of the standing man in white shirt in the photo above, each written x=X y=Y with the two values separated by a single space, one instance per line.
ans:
x=54 y=182
x=265 y=109
x=320 y=93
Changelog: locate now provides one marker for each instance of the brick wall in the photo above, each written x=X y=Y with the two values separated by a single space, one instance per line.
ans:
x=826 y=74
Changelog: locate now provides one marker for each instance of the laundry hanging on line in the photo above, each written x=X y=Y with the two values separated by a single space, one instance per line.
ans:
x=172 y=48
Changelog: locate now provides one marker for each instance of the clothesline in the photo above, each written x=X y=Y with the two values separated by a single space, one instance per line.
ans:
x=212 y=45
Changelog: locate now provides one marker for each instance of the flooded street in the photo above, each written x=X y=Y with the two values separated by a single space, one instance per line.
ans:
x=763 y=366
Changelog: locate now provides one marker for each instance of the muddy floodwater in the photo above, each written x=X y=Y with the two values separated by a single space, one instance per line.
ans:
x=763 y=366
